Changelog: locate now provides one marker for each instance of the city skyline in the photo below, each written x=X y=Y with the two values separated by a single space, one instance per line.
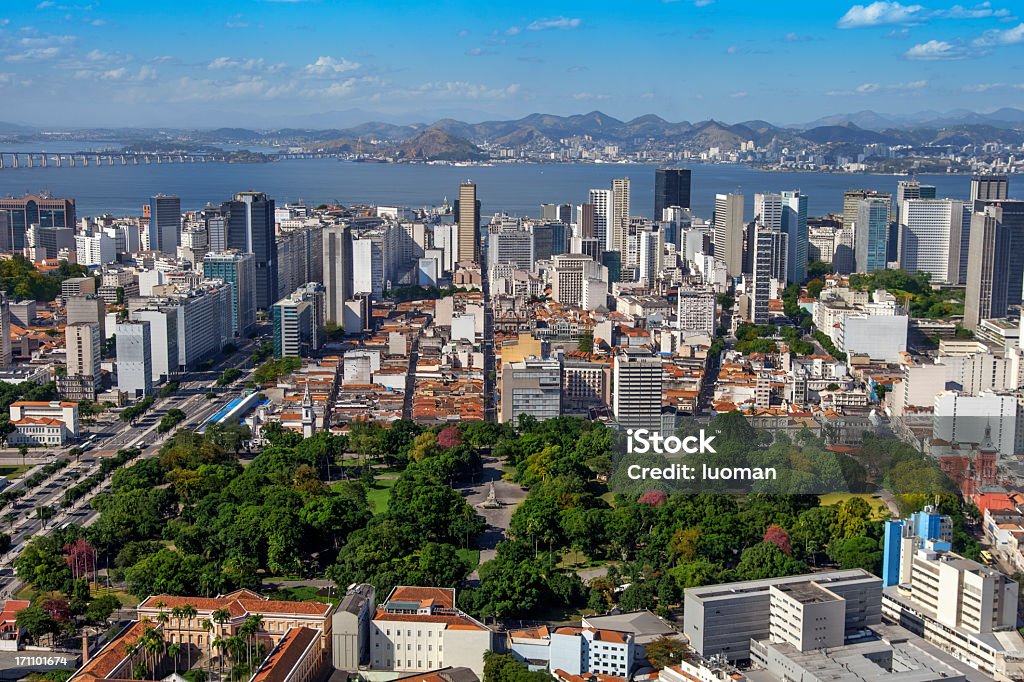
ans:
x=209 y=66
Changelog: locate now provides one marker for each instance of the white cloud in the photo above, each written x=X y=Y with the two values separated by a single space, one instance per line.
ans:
x=561 y=23
x=244 y=65
x=1011 y=36
x=879 y=14
x=738 y=95
x=464 y=90
x=985 y=87
x=871 y=88
x=513 y=31
x=981 y=11
x=326 y=66
x=935 y=50
x=45 y=4
x=34 y=55
x=580 y=96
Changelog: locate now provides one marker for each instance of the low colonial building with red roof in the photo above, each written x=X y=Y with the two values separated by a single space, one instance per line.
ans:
x=575 y=651
x=418 y=629
x=295 y=636
x=43 y=423
x=10 y=633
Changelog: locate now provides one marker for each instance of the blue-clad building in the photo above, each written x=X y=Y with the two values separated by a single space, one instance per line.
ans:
x=903 y=536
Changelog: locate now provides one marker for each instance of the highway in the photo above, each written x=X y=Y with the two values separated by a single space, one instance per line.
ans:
x=111 y=435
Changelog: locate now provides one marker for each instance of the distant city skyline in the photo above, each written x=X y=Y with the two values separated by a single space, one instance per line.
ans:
x=323 y=63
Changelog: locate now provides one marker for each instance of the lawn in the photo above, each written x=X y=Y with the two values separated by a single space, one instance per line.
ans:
x=874 y=501
x=128 y=600
x=300 y=593
x=470 y=556
x=13 y=471
x=380 y=493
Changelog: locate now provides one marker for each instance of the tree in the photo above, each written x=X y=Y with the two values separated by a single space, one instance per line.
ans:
x=505 y=668
x=778 y=536
x=100 y=609
x=666 y=651
x=856 y=552
x=36 y=621
x=449 y=437
x=766 y=560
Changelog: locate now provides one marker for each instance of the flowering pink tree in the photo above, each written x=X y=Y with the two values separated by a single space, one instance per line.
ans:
x=449 y=437
x=654 y=498
x=778 y=536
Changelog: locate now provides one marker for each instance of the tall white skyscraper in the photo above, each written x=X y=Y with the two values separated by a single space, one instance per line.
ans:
x=768 y=210
x=651 y=254
x=601 y=200
x=729 y=232
x=934 y=238
x=134 y=359
x=620 y=217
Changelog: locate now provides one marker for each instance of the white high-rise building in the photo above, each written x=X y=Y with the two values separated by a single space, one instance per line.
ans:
x=569 y=273
x=729 y=232
x=696 y=310
x=934 y=238
x=769 y=263
x=83 y=343
x=368 y=265
x=637 y=383
x=601 y=200
x=620 y=218
x=134 y=359
x=651 y=254
x=98 y=249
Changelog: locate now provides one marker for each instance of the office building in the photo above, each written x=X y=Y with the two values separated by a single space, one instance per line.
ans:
x=163 y=338
x=249 y=228
x=95 y=250
x=671 y=188
x=164 y=223
x=601 y=201
x=337 y=271
x=467 y=218
x=23 y=212
x=618 y=236
x=957 y=604
x=844 y=259
x=815 y=611
x=728 y=232
x=513 y=245
x=531 y=386
x=934 y=238
x=417 y=629
x=877 y=330
x=651 y=254
x=49 y=242
x=636 y=393
x=561 y=213
x=134 y=359
x=769 y=263
x=988 y=265
x=696 y=311
x=1012 y=220
x=575 y=652
x=871 y=240
x=569 y=273
x=86 y=308
x=794 y=226
x=585 y=223
x=239 y=271
x=83 y=343
x=299 y=324
x=585 y=386
x=988 y=187
x=300 y=258
x=911 y=189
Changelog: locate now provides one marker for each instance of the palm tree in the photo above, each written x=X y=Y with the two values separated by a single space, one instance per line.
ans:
x=219 y=644
x=153 y=641
x=188 y=612
x=208 y=627
x=129 y=650
x=174 y=651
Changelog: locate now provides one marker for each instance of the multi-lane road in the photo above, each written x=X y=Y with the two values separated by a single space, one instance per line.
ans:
x=111 y=435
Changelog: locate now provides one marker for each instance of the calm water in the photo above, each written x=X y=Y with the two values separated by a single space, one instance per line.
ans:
x=516 y=189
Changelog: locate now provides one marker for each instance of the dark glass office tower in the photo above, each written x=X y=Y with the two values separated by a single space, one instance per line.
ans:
x=671 y=188
x=249 y=228
x=30 y=210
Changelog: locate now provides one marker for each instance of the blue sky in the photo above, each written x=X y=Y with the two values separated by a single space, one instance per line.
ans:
x=272 y=63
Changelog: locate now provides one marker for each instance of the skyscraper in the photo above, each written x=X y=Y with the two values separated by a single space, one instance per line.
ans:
x=249 y=228
x=134 y=359
x=1012 y=219
x=619 y=226
x=299 y=322
x=728 y=233
x=337 y=272
x=794 y=225
x=769 y=262
x=911 y=189
x=601 y=200
x=585 y=222
x=164 y=223
x=467 y=216
x=556 y=212
x=845 y=259
x=238 y=270
x=988 y=266
x=671 y=188
x=35 y=210
x=6 y=351
x=872 y=235
x=637 y=383
x=987 y=187
x=934 y=238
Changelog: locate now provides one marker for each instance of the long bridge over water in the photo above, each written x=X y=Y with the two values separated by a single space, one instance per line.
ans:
x=12 y=160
